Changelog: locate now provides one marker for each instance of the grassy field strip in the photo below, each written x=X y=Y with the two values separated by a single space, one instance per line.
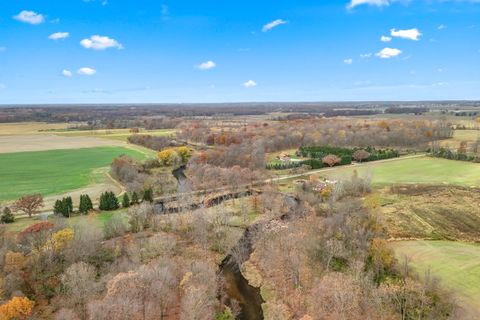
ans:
x=457 y=264
x=417 y=169
x=55 y=171
x=98 y=219
x=113 y=134
x=22 y=128
x=352 y=167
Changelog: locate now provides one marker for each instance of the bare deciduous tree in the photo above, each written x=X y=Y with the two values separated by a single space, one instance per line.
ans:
x=29 y=204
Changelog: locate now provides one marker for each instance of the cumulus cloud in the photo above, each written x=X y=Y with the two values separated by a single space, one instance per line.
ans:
x=441 y=27
x=348 y=61
x=410 y=34
x=249 y=84
x=378 y=3
x=388 y=53
x=207 y=65
x=30 y=17
x=97 y=42
x=365 y=55
x=385 y=39
x=86 y=71
x=269 y=26
x=59 y=35
x=67 y=73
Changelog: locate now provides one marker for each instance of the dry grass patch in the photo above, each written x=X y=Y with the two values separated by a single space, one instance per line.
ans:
x=432 y=212
x=43 y=142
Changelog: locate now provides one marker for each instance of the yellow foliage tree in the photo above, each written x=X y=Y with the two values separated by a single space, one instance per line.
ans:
x=165 y=155
x=16 y=308
x=61 y=239
x=184 y=153
x=169 y=156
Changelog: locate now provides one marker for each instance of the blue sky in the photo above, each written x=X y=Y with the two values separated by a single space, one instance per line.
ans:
x=100 y=51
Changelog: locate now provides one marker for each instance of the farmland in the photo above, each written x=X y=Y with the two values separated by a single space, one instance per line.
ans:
x=111 y=134
x=55 y=171
x=423 y=170
x=457 y=264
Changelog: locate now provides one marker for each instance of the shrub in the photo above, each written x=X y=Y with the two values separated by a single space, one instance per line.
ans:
x=16 y=308
x=7 y=216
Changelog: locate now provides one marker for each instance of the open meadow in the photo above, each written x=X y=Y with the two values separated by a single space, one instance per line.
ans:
x=22 y=128
x=55 y=171
x=457 y=264
x=420 y=170
x=112 y=134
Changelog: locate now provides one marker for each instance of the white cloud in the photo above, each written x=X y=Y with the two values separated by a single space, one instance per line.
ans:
x=385 y=39
x=365 y=55
x=30 y=17
x=207 y=65
x=410 y=34
x=387 y=53
x=441 y=27
x=59 y=35
x=348 y=61
x=378 y=3
x=97 y=42
x=86 y=71
x=249 y=84
x=273 y=24
x=165 y=11
x=67 y=73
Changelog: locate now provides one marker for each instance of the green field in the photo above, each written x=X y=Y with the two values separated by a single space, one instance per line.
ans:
x=423 y=170
x=99 y=219
x=55 y=171
x=457 y=264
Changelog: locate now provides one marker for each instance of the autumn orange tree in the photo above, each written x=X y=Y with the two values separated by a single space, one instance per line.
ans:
x=16 y=308
x=360 y=155
x=331 y=160
x=29 y=204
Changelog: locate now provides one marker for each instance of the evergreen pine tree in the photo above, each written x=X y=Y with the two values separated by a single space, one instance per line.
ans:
x=85 y=204
x=7 y=216
x=114 y=204
x=69 y=205
x=108 y=201
x=148 y=195
x=58 y=207
x=103 y=201
x=125 y=200
x=134 y=198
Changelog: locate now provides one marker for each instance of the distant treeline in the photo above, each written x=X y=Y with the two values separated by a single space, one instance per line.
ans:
x=152 y=142
x=406 y=110
x=106 y=114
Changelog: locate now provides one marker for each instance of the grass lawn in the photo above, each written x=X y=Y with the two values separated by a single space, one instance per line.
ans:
x=457 y=264
x=55 y=171
x=99 y=219
x=424 y=170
